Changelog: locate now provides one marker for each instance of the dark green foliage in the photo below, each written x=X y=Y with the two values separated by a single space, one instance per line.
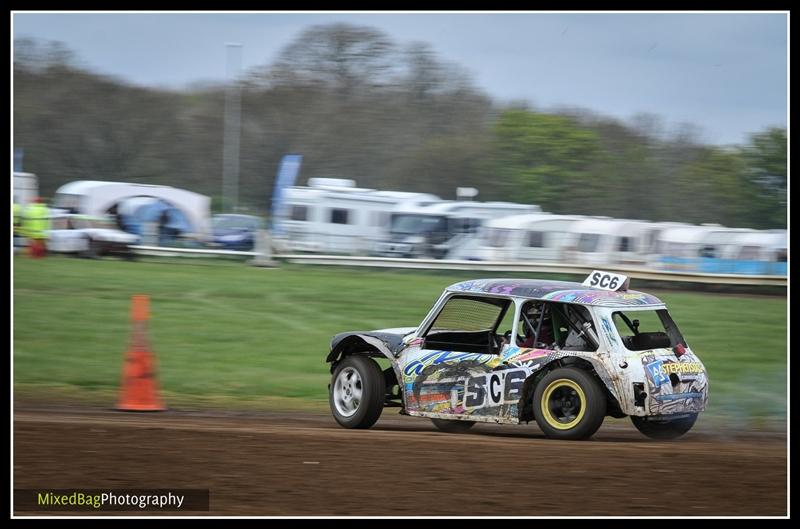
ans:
x=357 y=105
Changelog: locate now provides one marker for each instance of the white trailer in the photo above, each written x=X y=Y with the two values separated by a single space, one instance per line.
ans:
x=334 y=216
x=603 y=241
x=96 y=198
x=759 y=245
x=650 y=241
x=530 y=237
x=744 y=251
x=447 y=229
x=679 y=248
x=723 y=243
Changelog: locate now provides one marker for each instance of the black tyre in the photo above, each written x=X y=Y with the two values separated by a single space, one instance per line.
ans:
x=452 y=426
x=662 y=428
x=569 y=403
x=92 y=250
x=357 y=392
x=128 y=254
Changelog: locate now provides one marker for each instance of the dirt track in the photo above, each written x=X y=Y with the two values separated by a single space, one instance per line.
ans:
x=278 y=464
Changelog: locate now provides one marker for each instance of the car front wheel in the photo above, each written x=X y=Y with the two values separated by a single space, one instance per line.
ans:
x=569 y=403
x=664 y=429
x=357 y=393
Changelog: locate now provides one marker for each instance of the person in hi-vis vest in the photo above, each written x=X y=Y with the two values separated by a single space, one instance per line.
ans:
x=35 y=225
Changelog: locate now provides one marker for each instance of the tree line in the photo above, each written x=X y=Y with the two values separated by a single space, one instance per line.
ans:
x=358 y=105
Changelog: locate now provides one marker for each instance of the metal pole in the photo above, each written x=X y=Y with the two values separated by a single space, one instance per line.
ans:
x=233 y=106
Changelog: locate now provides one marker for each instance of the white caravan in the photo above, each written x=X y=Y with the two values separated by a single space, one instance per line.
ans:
x=723 y=243
x=762 y=252
x=447 y=229
x=679 y=248
x=334 y=216
x=758 y=245
x=744 y=251
x=650 y=241
x=95 y=198
x=603 y=240
x=531 y=237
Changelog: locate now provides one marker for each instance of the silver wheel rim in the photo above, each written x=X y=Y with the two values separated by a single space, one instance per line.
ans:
x=347 y=391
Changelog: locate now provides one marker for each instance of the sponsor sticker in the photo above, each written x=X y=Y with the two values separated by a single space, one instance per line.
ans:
x=660 y=370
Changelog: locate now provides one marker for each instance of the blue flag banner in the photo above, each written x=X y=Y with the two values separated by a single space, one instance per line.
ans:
x=287 y=173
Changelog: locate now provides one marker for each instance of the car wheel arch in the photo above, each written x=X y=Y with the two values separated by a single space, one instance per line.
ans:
x=529 y=386
x=353 y=344
x=359 y=344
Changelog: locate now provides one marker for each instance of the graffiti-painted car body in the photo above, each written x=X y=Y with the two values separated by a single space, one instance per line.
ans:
x=457 y=366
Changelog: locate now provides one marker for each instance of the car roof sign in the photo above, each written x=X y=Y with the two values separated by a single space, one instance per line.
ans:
x=607 y=281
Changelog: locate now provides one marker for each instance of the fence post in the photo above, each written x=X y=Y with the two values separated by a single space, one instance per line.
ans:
x=263 y=249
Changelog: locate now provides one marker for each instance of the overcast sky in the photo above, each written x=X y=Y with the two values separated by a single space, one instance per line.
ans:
x=726 y=73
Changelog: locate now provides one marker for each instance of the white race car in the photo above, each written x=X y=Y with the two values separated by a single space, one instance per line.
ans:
x=515 y=350
x=88 y=236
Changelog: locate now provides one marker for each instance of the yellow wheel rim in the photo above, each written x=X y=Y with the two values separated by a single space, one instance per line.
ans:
x=563 y=404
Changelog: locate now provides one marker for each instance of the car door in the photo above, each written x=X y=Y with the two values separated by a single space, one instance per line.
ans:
x=452 y=371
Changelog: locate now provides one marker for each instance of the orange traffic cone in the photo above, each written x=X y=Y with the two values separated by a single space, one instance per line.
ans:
x=139 y=390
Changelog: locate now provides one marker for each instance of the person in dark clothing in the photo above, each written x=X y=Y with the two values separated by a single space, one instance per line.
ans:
x=120 y=222
x=164 y=234
x=530 y=323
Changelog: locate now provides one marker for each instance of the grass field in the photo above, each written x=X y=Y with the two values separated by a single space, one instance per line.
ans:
x=231 y=334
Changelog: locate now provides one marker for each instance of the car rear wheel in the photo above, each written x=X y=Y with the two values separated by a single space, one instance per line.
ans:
x=358 y=391
x=569 y=403
x=452 y=426
x=664 y=429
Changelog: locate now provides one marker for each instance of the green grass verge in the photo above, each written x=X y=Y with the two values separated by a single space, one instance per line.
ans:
x=234 y=335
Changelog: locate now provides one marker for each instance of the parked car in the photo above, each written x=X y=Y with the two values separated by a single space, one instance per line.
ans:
x=235 y=232
x=561 y=353
x=88 y=236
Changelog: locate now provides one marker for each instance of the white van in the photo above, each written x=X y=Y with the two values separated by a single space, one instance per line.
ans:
x=334 y=216
x=444 y=230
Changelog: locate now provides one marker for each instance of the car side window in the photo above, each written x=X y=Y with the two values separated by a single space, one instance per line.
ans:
x=547 y=325
x=535 y=328
x=468 y=324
